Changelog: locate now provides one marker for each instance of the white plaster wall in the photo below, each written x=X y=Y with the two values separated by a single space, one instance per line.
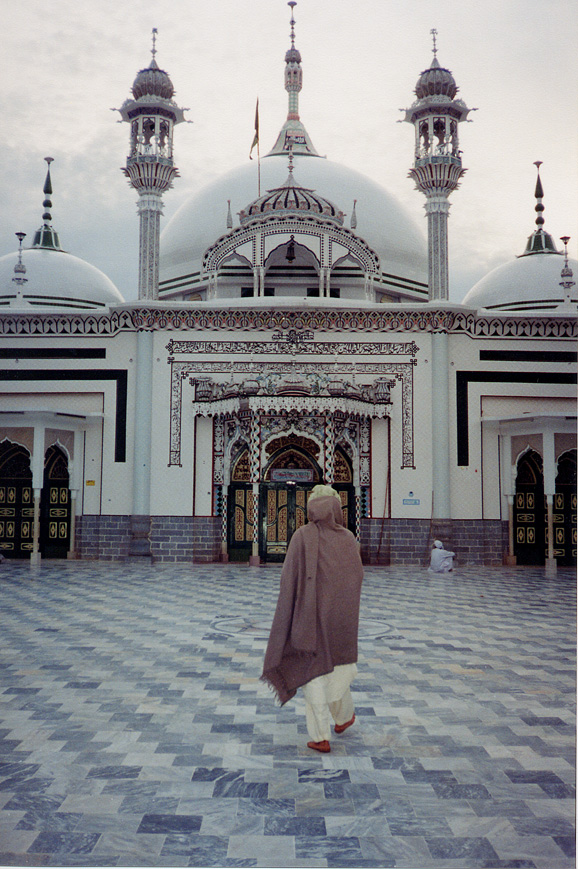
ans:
x=379 y=468
x=171 y=485
x=203 y=485
x=476 y=488
x=493 y=506
x=413 y=484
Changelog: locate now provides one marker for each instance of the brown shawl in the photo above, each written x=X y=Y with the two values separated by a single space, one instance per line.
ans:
x=315 y=624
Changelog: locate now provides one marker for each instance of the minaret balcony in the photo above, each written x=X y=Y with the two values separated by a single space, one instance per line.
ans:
x=443 y=159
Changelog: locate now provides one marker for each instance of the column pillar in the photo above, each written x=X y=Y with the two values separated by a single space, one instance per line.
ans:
x=437 y=210
x=440 y=427
x=35 y=556
x=551 y=563
x=150 y=208
x=508 y=482
x=224 y=517
x=37 y=467
x=549 y=458
x=71 y=554
x=140 y=525
x=254 y=558
x=255 y=458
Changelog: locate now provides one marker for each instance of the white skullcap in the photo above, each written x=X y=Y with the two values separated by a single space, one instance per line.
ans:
x=321 y=491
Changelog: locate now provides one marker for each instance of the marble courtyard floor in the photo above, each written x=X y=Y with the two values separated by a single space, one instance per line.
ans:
x=134 y=730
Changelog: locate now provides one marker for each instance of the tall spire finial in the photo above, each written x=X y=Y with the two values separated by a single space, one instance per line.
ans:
x=540 y=241
x=434 y=34
x=46 y=236
x=154 y=48
x=539 y=193
x=292 y=4
x=293 y=132
x=47 y=190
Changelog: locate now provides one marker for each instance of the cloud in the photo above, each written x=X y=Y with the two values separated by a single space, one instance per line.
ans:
x=65 y=65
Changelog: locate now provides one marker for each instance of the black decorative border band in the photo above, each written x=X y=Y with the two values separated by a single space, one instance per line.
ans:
x=463 y=380
x=120 y=377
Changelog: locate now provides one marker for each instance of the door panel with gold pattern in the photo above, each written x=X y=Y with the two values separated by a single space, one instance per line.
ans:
x=530 y=525
x=16 y=502
x=283 y=509
x=564 y=510
x=240 y=521
x=55 y=505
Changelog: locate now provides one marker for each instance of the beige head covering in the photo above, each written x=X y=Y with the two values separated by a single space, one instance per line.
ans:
x=321 y=491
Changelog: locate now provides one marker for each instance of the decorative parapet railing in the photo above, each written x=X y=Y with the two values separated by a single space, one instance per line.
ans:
x=172 y=318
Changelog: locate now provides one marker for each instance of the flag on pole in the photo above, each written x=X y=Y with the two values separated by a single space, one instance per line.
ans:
x=256 y=136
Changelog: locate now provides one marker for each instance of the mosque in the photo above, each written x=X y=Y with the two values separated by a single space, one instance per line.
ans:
x=292 y=327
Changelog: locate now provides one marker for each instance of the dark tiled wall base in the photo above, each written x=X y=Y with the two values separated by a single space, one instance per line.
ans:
x=102 y=537
x=198 y=539
x=173 y=538
x=408 y=541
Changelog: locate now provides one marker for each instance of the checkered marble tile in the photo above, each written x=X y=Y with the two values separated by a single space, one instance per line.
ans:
x=134 y=730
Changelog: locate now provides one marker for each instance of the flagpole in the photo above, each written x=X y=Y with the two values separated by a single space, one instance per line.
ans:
x=256 y=142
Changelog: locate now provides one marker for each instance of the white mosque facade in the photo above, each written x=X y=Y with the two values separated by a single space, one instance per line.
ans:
x=292 y=327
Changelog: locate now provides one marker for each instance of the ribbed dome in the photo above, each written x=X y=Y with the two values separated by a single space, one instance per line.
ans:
x=54 y=280
x=436 y=81
x=290 y=199
x=293 y=55
x=154 y=82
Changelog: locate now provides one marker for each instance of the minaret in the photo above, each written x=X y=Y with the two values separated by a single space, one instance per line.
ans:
x=152 y=115
x=437 y=168
x=293 y=135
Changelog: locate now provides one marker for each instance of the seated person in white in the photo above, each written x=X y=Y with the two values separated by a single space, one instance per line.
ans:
x=442 y=560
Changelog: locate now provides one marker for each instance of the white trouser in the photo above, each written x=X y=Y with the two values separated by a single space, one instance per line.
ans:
x=329 y=694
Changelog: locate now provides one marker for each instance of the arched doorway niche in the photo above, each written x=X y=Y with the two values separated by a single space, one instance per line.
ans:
x=530 y=517
x=289 y=474
x=55 y=503
x=16 y=501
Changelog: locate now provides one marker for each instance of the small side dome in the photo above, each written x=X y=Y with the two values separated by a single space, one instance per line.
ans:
x=154 y=82
x=528 y=283
x=436 y=81
x=53 y=280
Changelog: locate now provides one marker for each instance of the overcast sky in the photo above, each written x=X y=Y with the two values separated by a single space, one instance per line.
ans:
x=64 y=65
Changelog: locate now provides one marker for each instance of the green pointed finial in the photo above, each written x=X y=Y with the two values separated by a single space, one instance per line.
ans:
x=46 y=236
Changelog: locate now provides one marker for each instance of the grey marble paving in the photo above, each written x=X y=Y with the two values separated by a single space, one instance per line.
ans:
x=134 y=729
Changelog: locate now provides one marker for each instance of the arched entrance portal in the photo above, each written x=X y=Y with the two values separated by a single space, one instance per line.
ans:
x=291 y=472
x=16 y=501
x=564 y=513
x=55 y=505
x=530 y=521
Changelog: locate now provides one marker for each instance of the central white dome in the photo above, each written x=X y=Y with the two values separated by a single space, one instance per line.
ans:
x=382 y=222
